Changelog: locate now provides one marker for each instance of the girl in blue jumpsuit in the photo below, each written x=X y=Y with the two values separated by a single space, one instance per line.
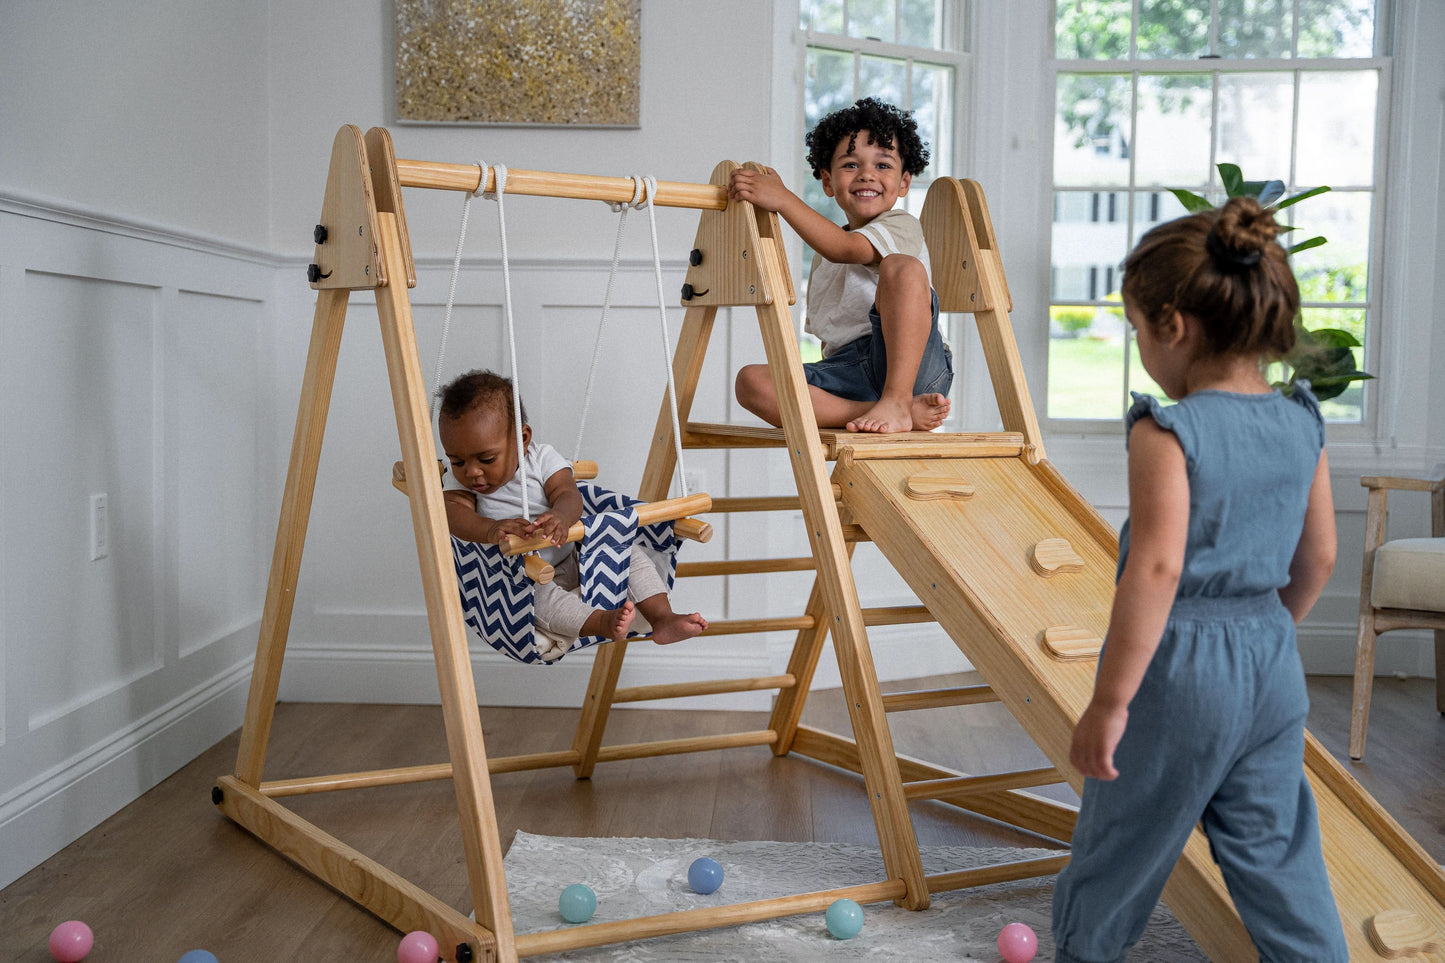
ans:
x=1199 y=703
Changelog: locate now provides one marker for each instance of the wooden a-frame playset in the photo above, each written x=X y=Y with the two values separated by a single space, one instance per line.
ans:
x=1001 y=551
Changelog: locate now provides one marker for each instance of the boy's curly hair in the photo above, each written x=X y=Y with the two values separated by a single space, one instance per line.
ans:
x=885 y=122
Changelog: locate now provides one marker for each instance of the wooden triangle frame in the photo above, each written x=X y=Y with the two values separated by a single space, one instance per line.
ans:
x=739 y=260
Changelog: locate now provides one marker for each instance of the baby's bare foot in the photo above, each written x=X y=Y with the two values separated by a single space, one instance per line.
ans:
x=928 y=411
x=885 y=416
x=612 y=623
x=675 y=628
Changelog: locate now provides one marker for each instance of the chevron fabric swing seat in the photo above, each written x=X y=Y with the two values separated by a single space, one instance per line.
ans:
x=498 y=599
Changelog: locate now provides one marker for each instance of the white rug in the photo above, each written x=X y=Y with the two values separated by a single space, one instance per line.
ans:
x=645 y=877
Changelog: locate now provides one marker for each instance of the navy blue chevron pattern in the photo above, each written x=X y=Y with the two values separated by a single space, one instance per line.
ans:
x=498 y=600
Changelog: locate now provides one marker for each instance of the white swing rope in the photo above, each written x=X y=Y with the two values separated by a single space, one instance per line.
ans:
x=662 y=325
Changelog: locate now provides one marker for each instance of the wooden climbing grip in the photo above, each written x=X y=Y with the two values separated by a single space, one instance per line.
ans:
x=1054 y=555
x=692 y=529
x=930 y=485
x=1069 y=643
x=398 y=475
x=1399 y=933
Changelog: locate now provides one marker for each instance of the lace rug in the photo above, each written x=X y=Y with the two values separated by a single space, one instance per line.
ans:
x=644 y=877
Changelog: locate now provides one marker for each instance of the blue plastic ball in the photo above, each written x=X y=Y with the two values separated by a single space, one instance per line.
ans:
x=577 y=903
x=705 y=875
x=198 y=956
x=844 y=918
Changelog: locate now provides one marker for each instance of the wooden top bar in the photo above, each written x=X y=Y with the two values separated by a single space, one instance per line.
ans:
x=864 y=445
x=586 y=187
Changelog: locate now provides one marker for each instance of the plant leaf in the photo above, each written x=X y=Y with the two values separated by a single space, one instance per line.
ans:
x=1299 y=197
x=1332 y=337
x=1269 y=192
x=1192 y=202
x=1305 y=245
x=1232 y=179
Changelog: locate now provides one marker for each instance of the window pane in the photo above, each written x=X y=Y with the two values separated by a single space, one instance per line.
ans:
x=1339 y=269
x=1255 y=28
x=1086 y=372
x=1337 y=145
x=871 y=18
x=1173 y=29
x=920 y=23
x=1255 y=121
x=1092 y=136
x=1172 y=140
x=1337 y=28
x=933 y=110
x=824 y=16
x=1152 y=208
x=1092 y=30
x=885 y=79
x=1090 y=244
x=830 y=84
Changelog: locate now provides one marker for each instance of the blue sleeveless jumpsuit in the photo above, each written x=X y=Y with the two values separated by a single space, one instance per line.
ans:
x=1216 y=731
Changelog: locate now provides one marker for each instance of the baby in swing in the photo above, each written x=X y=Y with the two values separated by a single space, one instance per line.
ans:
x=885 y=365
x=483 y=496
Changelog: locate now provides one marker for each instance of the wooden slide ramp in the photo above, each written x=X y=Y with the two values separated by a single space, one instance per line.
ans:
x=978 y=540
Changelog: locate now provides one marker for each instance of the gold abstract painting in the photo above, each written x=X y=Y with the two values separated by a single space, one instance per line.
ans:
x=552 y=62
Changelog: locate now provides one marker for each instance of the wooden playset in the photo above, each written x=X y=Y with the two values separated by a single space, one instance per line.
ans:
x=1000 y=550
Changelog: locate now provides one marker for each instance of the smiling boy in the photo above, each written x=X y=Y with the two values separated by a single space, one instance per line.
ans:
x=885 y=365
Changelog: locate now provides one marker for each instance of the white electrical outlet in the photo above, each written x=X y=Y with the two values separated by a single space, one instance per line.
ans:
x=99 y=527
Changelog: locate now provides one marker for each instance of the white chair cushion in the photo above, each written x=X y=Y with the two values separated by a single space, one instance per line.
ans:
x=1410 y=574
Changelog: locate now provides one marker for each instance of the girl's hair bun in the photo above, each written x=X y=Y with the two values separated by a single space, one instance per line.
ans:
x=1240 y=234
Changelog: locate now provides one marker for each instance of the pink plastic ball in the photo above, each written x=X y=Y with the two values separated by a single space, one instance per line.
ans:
x=418 y=946
x=1017 y=943
x=70 y=941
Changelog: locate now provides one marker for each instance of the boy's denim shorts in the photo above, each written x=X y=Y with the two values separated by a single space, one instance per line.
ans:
x=857 y=370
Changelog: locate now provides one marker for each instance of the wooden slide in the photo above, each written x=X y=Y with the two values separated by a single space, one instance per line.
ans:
x=1019 y=570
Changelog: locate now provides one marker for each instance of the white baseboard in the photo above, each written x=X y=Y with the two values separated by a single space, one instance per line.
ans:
x=46 y=814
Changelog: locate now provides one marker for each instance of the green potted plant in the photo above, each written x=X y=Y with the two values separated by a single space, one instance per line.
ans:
x=1325 y=357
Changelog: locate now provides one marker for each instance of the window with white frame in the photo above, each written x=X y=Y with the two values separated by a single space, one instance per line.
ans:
x=905 y=52
x=1152 y=95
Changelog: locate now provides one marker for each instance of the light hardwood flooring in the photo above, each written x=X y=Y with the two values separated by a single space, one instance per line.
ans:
x=168 y=873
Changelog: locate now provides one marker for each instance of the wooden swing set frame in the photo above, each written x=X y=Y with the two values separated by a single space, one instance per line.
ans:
x=739 y=261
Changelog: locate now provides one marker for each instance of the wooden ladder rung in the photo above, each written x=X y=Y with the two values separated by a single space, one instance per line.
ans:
x=1002 y=873
x=765 y=503
x=959 y=786
x=938 y=698
x=746 y=566
x=673 y=747
x=677 y=690
x=893 y=615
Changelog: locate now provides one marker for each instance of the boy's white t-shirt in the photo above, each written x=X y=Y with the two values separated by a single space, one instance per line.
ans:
x=542 y=462
x=841 y=295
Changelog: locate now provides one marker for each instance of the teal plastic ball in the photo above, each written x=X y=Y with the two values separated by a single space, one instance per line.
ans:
x=705 y=875
x=198 y=956
x=844 y=919
x=577 y=903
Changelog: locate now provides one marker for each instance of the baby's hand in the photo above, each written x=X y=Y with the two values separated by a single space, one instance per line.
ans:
x=763 y=188
x=1095 y=738
x=509 y=527
x=550 y=527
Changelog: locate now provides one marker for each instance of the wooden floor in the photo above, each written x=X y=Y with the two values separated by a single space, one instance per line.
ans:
x=168 y=873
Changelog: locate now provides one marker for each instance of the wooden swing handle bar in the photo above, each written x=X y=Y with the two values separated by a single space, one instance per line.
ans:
x=586 y=187
x=650 y=513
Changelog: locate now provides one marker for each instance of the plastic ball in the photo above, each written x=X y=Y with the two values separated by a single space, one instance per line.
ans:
x=70 y=941
x=206 y=956
x=577 y=903
x=1017 y=943
x=705 y=875
x=844 y=919
x=418 y=946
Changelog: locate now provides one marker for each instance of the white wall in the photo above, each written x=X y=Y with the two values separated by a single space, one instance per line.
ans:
x=161 y=167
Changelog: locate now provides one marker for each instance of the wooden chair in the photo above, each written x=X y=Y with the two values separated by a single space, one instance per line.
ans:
x=1402 y=587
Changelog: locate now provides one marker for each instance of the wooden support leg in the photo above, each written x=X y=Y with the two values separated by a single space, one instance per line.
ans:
x=291 y=532
x=802 y=664
x=840 y=599
x=687 y=362
x=481 y=840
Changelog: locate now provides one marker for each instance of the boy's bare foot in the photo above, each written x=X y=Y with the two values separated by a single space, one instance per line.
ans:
x=929 y=410
x=612 y=623
x=675 y=628
x=885 y=416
